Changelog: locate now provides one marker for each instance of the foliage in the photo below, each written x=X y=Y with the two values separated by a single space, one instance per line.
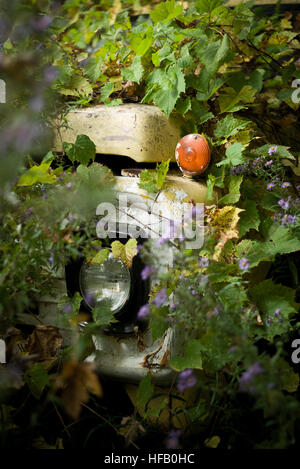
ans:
x=228 y=72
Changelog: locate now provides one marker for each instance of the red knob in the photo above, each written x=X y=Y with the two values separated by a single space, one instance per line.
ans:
x=192 y=154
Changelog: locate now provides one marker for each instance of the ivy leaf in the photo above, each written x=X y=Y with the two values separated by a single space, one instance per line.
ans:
x=36 y=379
x=135 y=71
x=83 y=150
x=100 y=257
x=106 y=91
x=215 y=54
x=103 y=315
x=234 y=155
x=93 y=68
x=124 y=252
x=230 y=100
x=144 y=391
x=225 y=221
x=77 y=86
x=166 y=11
x=37 y=174
x=192 y=357
x=249 y=219
x=234 y=194
x=171 y=85
x=229 y=126
x=269 y=296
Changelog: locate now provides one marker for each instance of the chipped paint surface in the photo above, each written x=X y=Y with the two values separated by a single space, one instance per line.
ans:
x=140 y=131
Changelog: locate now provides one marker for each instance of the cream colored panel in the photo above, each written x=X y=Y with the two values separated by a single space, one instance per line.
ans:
x=140 y=131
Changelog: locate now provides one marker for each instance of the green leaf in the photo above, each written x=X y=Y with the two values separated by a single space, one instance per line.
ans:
x=141 y=42
x=213 y=55
x=234 y=155
x=125 y=252
x=172 y=83
x=77 y=86
x=166 y=11
x=269 y=296
x=158 y=325
x=249 y=219
x=211 y=179
x=192 y=357
x=93 y=68
x=144 y=391
x=184 y=105
x=229 y=126
x=106 y=91
x=234 y=190
x=37 y=379
x=100 y=257
x=161 y=171
x=37 y=174
x=103 y=315
x=200 y=112
x=231 y=101
x=207 y=6
x=83 y=150
x=135 y=71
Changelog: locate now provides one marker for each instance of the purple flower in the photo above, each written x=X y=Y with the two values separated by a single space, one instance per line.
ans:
x=268 y=163
x=244 y=263
x=277 y=312
x=161 y=241
x=69 y=185
x=268 y=321
x=160 y=298
x=186 y=379
x=174 y=306
x=214 y=312
x=172 y=439
x=256 y=161
x=28 y=212
x=204 y=262
x=283 y=204
x=68 y=308
x=272 y=150
x=51 y=258
x=284 y=185
x=270 y=186
x=143 y=311
x=146 y=272
x=248 y=375
x=90 y=298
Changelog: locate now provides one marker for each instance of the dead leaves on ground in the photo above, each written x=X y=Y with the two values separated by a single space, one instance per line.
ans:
x=225 y=223
x=74 y=383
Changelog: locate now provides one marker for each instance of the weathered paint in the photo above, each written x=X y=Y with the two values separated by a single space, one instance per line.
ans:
x=140 y=131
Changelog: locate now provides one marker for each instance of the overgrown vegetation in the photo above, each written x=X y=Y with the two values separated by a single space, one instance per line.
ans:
x=230 y=73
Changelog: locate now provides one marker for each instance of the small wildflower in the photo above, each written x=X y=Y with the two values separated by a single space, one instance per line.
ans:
x=68 y=308
x=69 y=185
x=186 y=379
x=161 y=241
x=45 y=196
x=291 y=219
x=268 y=321
x=277 y=312
x=256 y=161
x=51 y=258
x=160 y=298
x=146 y=272
x=284 y=185
x=90 y=298
x=248 y=375
x=270 y=186
x=172 y=439
x=193 y=292
x=143 y=311
x=268 y=163
x=244 y=263
x=204 y=262
x=28 y=212
x=283 y=204
x=174 y=306
x=272 y=150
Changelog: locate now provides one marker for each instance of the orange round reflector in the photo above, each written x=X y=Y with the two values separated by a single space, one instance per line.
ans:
x=192 y=154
